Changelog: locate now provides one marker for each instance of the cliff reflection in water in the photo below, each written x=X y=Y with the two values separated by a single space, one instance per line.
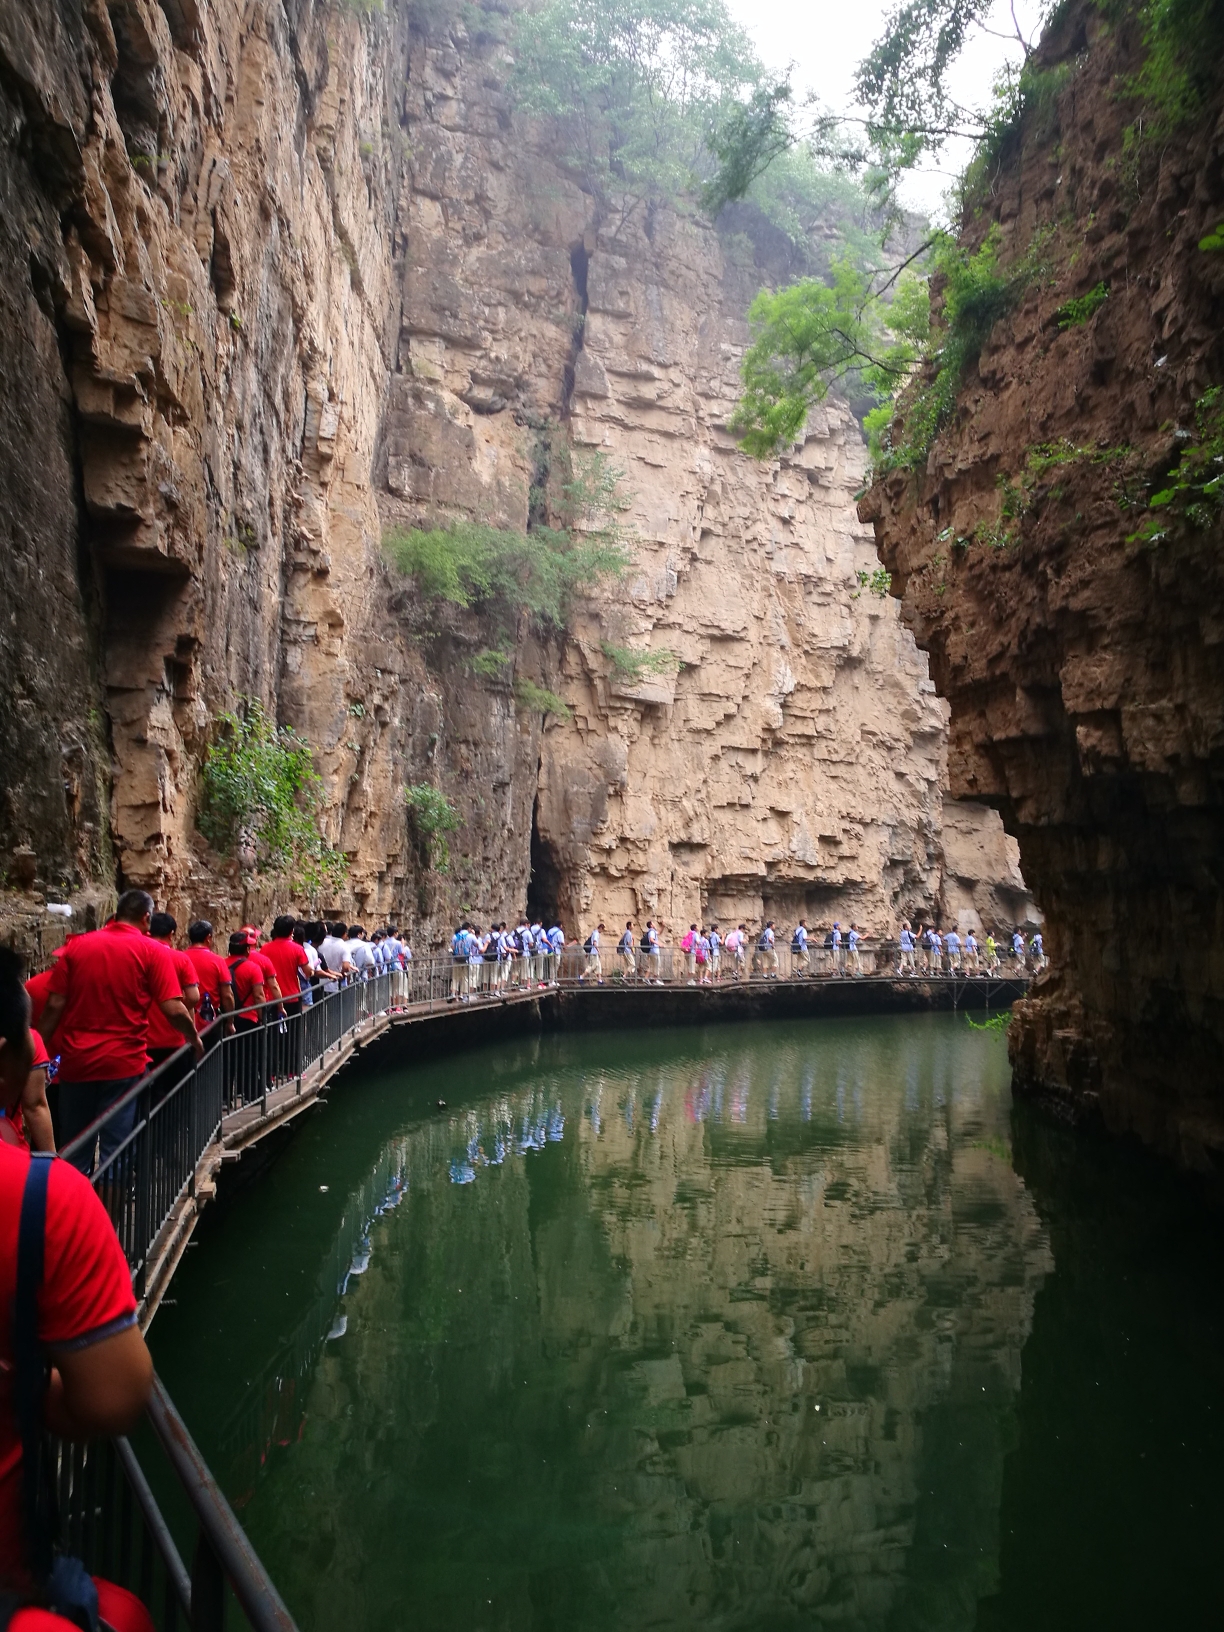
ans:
x=730 y=1339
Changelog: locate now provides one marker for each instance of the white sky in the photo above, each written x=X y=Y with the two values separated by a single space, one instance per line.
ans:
x=826 y=40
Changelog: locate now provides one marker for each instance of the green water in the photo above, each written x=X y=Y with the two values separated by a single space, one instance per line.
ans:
x=764 y=1326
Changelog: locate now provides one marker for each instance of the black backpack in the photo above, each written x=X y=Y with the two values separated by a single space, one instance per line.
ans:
x=796 y=943
x=588 y=946
x=645 y=942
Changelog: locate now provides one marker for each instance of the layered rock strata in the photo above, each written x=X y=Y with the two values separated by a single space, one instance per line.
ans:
x=1083 y=663
x=278 y=276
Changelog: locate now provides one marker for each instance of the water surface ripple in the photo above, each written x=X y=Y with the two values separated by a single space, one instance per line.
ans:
x=720 y=1328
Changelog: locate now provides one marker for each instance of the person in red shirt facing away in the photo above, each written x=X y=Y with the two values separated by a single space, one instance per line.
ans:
x=287 y=960
x=38 y=988
x=97 y=1016
x=164 y=1041
x=101 y=1373
x=251 y=1079
x=30 y=1124
x=259 y=955
x=212 y=974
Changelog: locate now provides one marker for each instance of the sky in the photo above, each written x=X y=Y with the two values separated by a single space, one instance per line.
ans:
x=826 y=39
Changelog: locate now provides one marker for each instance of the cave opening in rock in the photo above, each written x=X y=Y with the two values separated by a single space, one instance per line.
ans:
x=544 y=884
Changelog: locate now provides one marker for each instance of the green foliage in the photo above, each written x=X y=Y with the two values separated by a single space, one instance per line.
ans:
x=1074 y=312
x=432 y=817
x=637 y=87
x=1213 y=243
x=751 y=136
x=1184 y=42
x=632 y=666
x=492 y=663
x=997 y=1022
x=801 y=196
x=533 y=699
x=505 y=572
x=258 y=784
x=1194 y=490
x=878 y=582
x=812 y=335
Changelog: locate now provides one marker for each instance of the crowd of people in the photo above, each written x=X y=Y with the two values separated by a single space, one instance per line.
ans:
x=487 y=963
x=124 y=999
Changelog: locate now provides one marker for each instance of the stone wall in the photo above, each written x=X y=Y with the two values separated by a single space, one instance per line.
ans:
x=277 y=276
x=1083 y=665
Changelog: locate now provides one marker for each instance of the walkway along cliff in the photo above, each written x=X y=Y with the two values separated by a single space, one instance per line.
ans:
x=1073 y=628
x=279 y=276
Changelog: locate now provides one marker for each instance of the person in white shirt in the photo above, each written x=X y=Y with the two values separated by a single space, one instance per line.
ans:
x=624 y=948
x=839 y=967
x=767 y=955
x=361 y=953
x=593 y=965
x=905 y=946
x=653 y=955
x=715 y=954
x=852 y=941
x=334 y=956
x=736 y=944
x=799 y=949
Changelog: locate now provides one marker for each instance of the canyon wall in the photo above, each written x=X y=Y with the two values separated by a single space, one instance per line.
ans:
x=279 y=276
x=1084 y=662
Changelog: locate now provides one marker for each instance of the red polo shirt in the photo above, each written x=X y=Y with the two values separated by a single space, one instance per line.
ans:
x=212 y=973
x=109 y=979
x=286 y=958
x=86 y=1296
x=161 y=1033
x=246 y=974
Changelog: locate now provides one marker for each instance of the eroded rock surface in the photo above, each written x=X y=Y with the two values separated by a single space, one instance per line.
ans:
x=1084 y=666
x=276 y=277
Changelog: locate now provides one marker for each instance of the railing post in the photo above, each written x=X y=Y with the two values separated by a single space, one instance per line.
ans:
x=207 y=1588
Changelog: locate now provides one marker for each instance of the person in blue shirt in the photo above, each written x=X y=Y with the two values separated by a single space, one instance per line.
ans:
x=800 y=963
x=838 y=965
x=905 y=952
x=593 y=965
x=853 y=937
x=624 y=950
x=653 y=966
x=715 y=954
x=971 y=952
x=767 y=956
x=459 y=963
x=1037 y=948
x=1018 y=949
x=953 y=944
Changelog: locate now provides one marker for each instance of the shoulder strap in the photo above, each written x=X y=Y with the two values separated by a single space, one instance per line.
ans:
x=30 y=1382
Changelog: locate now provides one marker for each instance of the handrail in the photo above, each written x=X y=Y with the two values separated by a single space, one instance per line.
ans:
x=223 y=1552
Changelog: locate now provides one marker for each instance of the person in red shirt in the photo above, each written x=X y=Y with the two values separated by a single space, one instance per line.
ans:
x=212 y=974
x=287 y=959
x=164 y=1041
x=30 y=1124
x=38 y=987
x=97 y=1016
x=251 y=1073
x=258 y=954
x=101 y=1372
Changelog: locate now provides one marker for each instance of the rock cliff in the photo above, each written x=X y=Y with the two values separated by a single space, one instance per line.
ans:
x=277 y=276
x=1081 y=658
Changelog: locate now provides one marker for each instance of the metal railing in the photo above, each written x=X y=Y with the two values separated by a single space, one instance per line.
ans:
x=110 y=1519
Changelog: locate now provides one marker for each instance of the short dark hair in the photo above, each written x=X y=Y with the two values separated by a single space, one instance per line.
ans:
x=356 y=929
x=162 y=924
x=14 y=1004
x=299 y=933
x=199 y=932
x=283 y=926
x=338 y=930
x=238 y=942
x=132 y=906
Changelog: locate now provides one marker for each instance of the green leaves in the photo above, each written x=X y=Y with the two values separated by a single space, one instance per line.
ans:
x=432 y=817
x=1194 y=494
x=1082 y=308
x=258 y=786
x=632 y=666
x=812 y=335
x=533 y=699
x=637 y=86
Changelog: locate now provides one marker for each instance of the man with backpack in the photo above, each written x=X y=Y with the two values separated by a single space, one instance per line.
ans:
x=653 y=958
x=800 y=964
x=715 y=955
x=593 y=965
x=767 y=955
x=624 y=950
x=459 y=964
x=905 y=949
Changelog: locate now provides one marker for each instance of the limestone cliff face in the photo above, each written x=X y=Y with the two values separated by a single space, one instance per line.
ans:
x=1083 y=666
x=278 y=275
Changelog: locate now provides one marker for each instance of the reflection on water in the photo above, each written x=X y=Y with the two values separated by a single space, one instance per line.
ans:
x=678 y=1330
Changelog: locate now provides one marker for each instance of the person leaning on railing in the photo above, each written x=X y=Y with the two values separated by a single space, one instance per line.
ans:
x=97 y=1017
x=65 y=1298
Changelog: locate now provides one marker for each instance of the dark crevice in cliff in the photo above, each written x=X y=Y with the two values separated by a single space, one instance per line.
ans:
x=544 y=882
x=580 y=263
